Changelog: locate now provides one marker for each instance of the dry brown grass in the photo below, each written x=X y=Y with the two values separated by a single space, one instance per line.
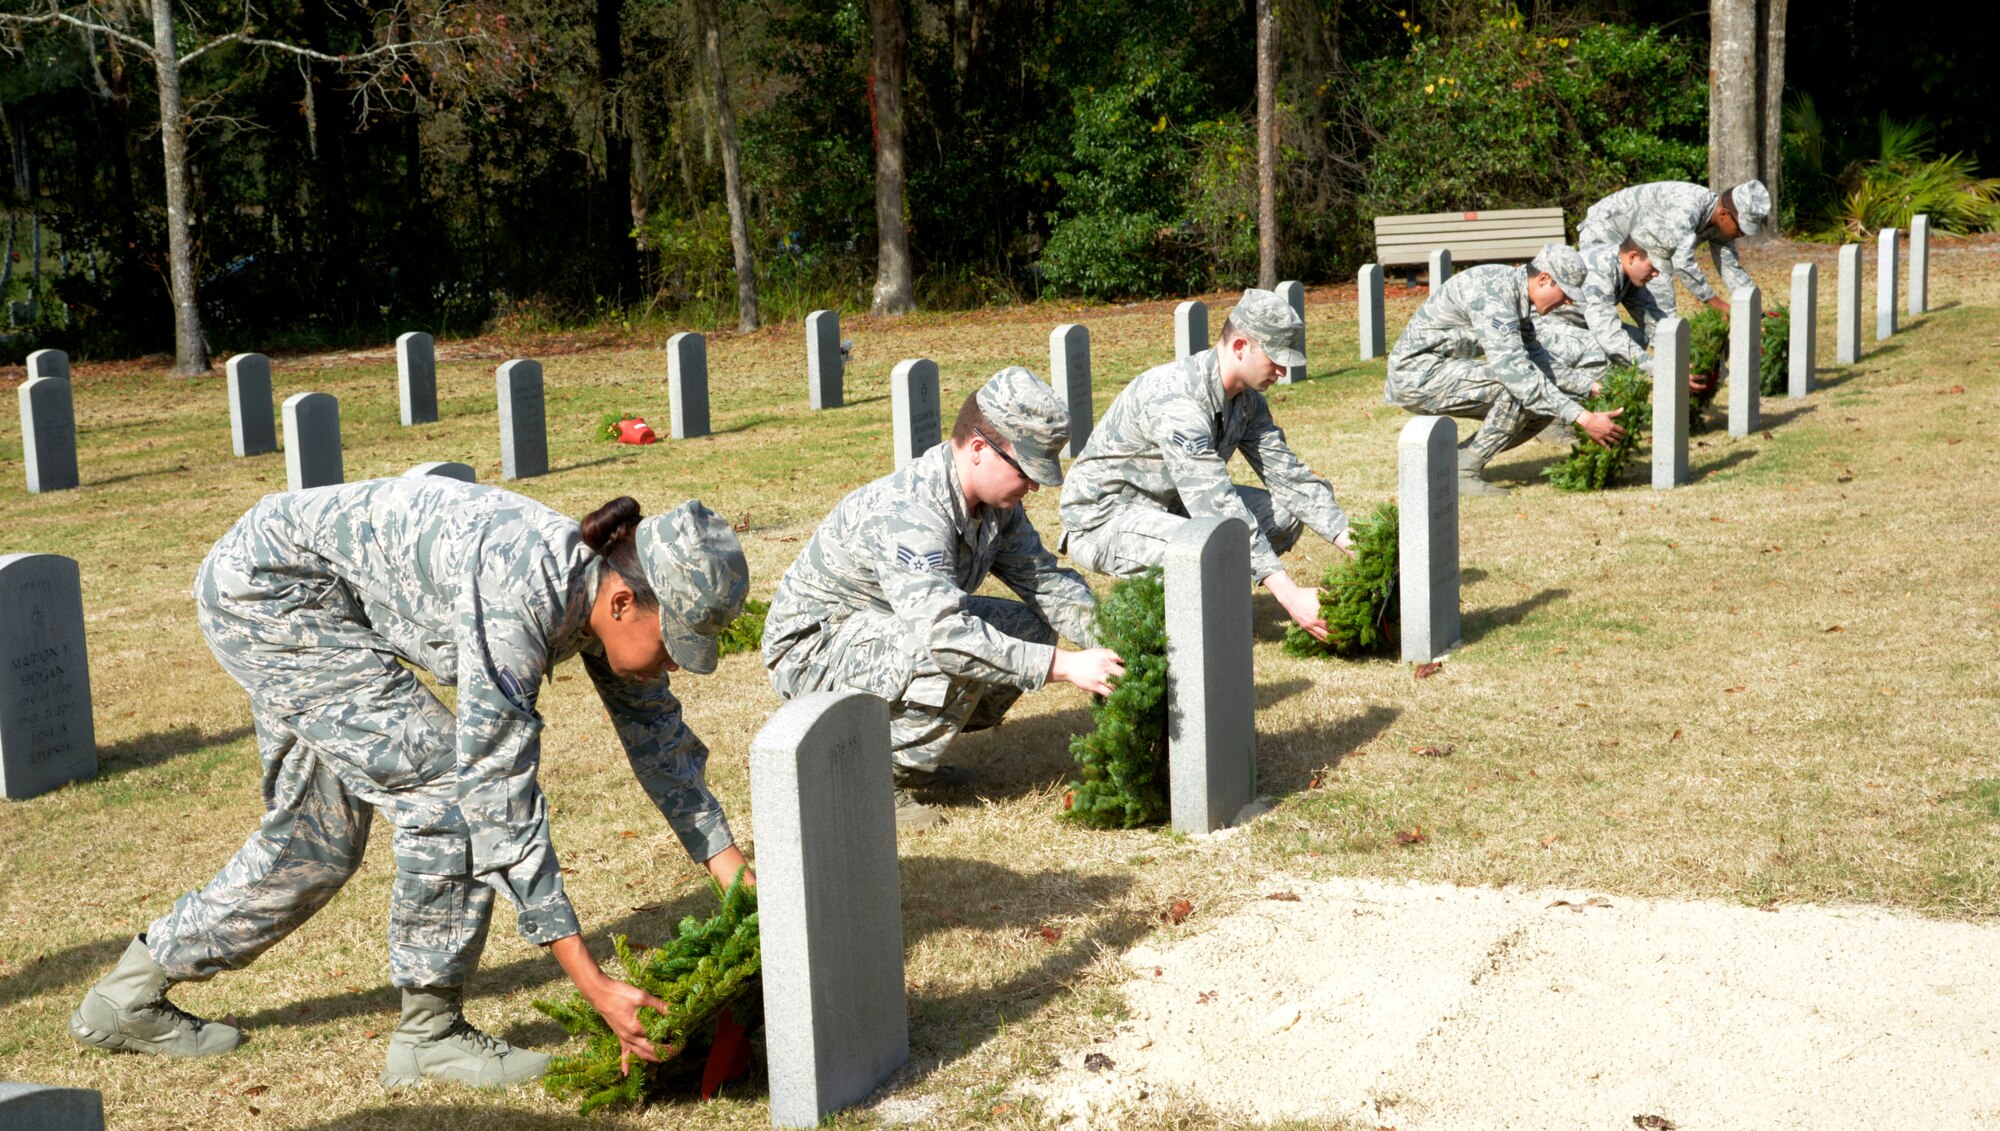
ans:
x=1653 y=699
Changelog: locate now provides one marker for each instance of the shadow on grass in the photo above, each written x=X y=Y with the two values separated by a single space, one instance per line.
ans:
x=581 y=465
x=746 y=425
x=945 y=893
x=1479 y=622
x=1792 y=410
x=150 y=750
x=130 y=475
x=1471 y=575
x=1700 y=471
x=73 y=966
x=1286 y=762
x=1030 y=754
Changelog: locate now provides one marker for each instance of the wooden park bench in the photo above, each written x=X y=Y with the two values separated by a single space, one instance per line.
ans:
x=1513 y=234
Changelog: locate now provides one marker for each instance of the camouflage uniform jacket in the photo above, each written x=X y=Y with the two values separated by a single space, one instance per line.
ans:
x=904 y=546
x=1675 y=217
x=1483 y=309
x=488 y=591
x=1166 y=443
x=1605 y=286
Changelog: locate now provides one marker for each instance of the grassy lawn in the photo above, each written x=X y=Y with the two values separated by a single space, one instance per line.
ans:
x=1772 y=686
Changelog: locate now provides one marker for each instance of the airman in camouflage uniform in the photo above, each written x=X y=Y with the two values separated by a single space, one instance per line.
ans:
x=1675 y=217
x=315 y=602
x=1587 y=333
x=1161 y=456
x=880 y=598
x=1471 y=351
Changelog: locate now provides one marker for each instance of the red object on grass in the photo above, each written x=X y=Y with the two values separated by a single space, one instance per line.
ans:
x=633 y=430
x=728 y=1058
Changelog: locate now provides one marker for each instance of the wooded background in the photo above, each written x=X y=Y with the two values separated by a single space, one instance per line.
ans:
x=204 y=176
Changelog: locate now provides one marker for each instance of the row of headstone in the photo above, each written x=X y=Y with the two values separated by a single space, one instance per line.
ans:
x=1069 y=374
x=1368 y=304
x=1294 y=294
x=914 y=408
x=48 y=423
x=1885 y=284
x=1190 y=328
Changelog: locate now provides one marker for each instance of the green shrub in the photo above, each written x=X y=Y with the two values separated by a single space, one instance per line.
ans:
x=746 y=632
x=1358 y=597
x=1589 y=467
x=1775 y=353
x=1123 y=763
x=1708 y=348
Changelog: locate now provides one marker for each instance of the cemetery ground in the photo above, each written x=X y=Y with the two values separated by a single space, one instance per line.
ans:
x=1771 y=688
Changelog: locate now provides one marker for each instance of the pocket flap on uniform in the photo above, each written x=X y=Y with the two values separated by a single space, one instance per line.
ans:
x=928 y=690
x=436 y=855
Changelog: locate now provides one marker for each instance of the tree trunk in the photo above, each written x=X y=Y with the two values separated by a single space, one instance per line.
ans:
x=895 y=293
x=1773 y=154
x=1267 y=145
x=961 y=46
x=616 y=252
x=1734 y=93
x=190 y=351
x=710 y=16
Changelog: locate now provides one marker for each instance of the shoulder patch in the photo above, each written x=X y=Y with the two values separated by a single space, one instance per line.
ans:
x=1194 y=443
x=911 y=559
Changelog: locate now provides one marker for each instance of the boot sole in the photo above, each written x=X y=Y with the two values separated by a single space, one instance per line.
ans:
x=113 y=1041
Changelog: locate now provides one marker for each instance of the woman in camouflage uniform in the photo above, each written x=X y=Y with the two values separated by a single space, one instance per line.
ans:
x=319 y=603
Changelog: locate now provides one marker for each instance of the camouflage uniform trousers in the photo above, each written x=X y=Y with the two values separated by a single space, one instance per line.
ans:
x=375 y=739
x=1135 y=539
x=873 y=652
x=1466 y=387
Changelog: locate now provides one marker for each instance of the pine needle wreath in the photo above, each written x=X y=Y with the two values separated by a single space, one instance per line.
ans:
x=746 y=632
x=1708 y=348
x=1775 y=366
x=1592 y=468
x=711 y=966
x=1358 y=598
x=1124 y=761
x=607 y=425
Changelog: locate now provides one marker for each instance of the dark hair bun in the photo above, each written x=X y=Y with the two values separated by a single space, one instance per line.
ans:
x=604 y=527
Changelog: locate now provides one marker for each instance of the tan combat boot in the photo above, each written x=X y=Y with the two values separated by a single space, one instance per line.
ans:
x=434 y=1039
x=1469 y=481
x=129 y=1011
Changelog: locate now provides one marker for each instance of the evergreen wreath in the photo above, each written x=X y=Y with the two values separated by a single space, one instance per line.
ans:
x=1358 y=597
x=710 y=967
x=1589 y=467
x=1124 y=761
x=1775 y=361
x=1708 y=349
x=607 y=425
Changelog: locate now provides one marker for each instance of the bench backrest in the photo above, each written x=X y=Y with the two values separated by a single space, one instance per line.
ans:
x=1471 y=237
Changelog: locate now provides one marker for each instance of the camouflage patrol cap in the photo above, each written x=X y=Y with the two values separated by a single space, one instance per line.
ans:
x=1271 y=322
x=695 y=565
x=1752 y=203
x=1561 y=263
x=1030 y=416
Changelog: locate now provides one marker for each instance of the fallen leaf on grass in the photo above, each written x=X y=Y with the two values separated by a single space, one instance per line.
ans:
x=1951 y=391
x=1177 y=912
x=1098 y=1062
x=1434 y=751
x=1159 y=972
x=1675 y=736
x=1593 y=901
x=1413 y=836
x=1425 y=671
x=1836 y=628
x=627 y=832
x=1653 y=1123
x=1003 y=1109
x=1284 y=896
x=369 y=1034
x=1204 y=997
x=1957 y=440
x=1733 y=690
x=1549 y=840
x=1051 y=935
x=256 y=1089
x=1768 y=436
x=655 y=905
x=1701 y=443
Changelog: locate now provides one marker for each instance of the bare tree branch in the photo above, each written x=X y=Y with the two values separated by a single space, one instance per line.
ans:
x=15 y=19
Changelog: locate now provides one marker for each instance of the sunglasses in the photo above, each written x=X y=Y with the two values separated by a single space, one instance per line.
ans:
x=1002 y=453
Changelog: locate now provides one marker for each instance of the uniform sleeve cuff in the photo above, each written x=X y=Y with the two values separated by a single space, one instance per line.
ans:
x=549 y=920
x=706 y=836
x=1569 y=411
x=1040 y=658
